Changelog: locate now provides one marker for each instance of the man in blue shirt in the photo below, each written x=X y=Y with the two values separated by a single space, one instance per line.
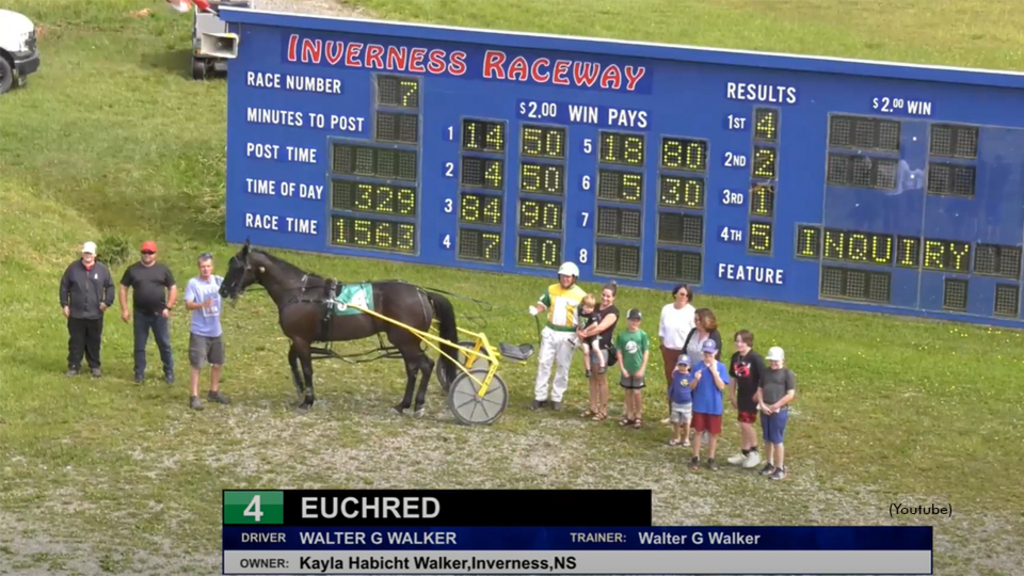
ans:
x=205 y=343
x=711 y=377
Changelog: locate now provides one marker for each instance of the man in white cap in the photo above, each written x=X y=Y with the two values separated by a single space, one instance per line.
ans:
x=562 y=302
x=86 y=291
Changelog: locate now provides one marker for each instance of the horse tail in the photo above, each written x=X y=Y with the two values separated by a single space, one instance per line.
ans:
x=446 y=317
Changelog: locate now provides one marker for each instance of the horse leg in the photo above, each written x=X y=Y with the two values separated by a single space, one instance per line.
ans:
x=426 y=366
x=293 y=361
x=411 y=368
x=307 y=371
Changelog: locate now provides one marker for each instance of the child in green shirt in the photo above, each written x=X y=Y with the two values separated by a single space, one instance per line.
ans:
x=634 y=348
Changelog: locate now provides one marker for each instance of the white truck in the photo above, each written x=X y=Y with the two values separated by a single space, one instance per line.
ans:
x=18 y=54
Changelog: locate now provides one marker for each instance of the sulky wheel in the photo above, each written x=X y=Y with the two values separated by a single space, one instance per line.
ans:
x=468 y=408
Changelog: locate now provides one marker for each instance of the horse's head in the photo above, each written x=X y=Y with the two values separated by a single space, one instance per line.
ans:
x=241 y=274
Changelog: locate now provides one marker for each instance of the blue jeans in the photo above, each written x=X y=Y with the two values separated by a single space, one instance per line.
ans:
x=144 y=322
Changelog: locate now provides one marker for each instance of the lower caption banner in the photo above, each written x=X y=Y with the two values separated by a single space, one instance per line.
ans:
x=578 y=550
x=259 y=539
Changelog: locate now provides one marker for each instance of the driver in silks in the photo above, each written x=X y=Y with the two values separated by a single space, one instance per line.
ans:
x=562 y=302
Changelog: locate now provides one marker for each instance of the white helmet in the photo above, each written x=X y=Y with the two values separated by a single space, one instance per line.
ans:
x=569 y=269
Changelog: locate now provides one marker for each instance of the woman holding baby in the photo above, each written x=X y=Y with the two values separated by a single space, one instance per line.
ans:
x=595 y=331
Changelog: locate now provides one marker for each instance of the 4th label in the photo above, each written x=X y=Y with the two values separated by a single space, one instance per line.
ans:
x=731 y=235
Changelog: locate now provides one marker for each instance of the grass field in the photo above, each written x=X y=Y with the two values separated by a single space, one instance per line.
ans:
x=112 y=140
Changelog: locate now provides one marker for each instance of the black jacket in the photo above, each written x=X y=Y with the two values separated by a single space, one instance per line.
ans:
x=84 y=290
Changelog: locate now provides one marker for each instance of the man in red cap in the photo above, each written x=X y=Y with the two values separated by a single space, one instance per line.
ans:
x=151 y=305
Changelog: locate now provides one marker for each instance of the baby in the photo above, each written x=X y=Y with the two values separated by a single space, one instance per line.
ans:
x=589 y=317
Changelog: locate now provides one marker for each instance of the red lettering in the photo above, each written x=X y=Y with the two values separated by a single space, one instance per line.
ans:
x=396 y=57
x=335 y=50
x=561 y=69
x=293 y=43
x=416 y=60
x=311 y=50
x=612 y=77
x=493 y=62
x=535 y=72
x=585 y=73
x=436 y=65
x=352 y=54
x=633 y=75
x=373 y=59
x=457 y=63
x=518 y=69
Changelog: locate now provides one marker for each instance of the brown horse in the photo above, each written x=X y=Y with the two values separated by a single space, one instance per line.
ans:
x=304 y=313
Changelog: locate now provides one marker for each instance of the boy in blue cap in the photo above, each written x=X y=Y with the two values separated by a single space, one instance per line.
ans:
x=711 y=377
x=681 y=401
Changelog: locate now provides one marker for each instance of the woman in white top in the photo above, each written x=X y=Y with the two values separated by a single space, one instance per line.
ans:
x=677 y=320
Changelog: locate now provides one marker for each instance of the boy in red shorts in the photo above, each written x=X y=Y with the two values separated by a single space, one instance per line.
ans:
x=746 y=368
x=709 y=380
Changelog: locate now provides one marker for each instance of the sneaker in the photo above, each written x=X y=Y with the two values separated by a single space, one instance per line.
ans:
x=218 y=398
x=768 y=469
x=556 y=406
x=139 y=378
x=712 y=465
x=96 y=373
x=194 y=403
x=778 y=474
x=537 y=404
x=737 y=459
x=694 y=463
x=753 y=459
x=169 y=378
x=71 y=373
x=686 y=443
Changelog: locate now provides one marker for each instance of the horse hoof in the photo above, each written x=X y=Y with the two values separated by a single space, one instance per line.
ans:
x=420 y=413
x=396 y=410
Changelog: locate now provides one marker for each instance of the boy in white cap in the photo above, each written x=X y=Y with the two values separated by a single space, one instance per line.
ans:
x=86 y=291
x=775 y=391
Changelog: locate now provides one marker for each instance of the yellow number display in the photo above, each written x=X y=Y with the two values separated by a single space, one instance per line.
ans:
x=540 y=215
x=632 y=185
x=537 y=251
x=762 y=201
x=764 y=162
x=376 y=234
x=766 y=121
x=481 y=135
x=618 y=148
x=542 y=178
x=410 y=93
x=480 y=209
x=684 y=154
x=491 y=243
x=678 y=192
x=544 y=141
x=760 y=238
